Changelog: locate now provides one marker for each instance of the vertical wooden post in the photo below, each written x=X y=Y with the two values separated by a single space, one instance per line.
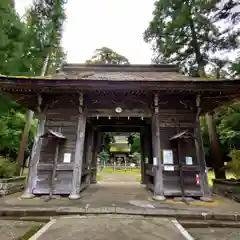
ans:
x=218 y=164
x=79 y=149
x=89 y=155
x=97 y=145
x=54 y=170
x=34 y=159
x=147 y=149
x=142 y=140
x=157 y=153
x=206 y=193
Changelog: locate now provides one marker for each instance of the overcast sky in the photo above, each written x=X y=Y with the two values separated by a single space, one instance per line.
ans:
x=117 y=24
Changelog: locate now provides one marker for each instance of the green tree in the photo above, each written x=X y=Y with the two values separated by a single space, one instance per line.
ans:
x=107 y=56
x=182 y=32
x=12 y=36
x=44 y=20
x=24 y=46
x=135 y=143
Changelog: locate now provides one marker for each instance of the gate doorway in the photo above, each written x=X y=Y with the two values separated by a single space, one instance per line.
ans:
x=122 y=145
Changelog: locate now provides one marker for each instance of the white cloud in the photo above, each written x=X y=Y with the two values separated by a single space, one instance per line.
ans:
x=117 y=24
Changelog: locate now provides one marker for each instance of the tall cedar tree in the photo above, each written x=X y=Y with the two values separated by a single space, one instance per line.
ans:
x=12 y=36
x=182 y=32
x=45 y=19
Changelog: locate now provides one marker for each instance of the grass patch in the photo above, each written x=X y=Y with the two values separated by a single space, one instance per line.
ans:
x=31 y=232
x=123 y=171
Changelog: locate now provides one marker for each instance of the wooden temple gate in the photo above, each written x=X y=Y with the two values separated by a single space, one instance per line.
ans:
x=77 y=105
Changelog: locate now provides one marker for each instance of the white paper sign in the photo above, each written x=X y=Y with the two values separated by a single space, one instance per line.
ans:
x=67 y=158
x=169 y=168
x=155 y=161
x=188 y=161
x=167 y=157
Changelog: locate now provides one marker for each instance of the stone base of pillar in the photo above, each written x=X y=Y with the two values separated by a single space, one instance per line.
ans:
x=74 y=196
x=28 y=196
x=158 y=198
x=206 y=199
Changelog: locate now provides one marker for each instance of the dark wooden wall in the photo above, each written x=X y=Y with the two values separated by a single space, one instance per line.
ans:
x=64 y=121
x=172 y=122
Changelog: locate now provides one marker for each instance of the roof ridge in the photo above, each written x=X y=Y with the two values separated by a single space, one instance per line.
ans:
x=68 y=67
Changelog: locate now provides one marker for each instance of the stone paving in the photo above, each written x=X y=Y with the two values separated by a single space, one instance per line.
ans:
x=13 y=230
x=112 y=227
x=135 y=209
x=215 y=233
x=119 y=197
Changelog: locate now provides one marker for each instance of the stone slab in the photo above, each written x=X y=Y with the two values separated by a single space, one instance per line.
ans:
x=215 y=233
x=102 y=227
x=10 y=230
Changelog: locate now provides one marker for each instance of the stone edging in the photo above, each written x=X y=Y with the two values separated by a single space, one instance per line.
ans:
x=7 y=180
x=180 y=215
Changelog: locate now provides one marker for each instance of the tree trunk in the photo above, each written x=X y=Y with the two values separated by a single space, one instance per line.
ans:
x=199 y=57
x=218 y=164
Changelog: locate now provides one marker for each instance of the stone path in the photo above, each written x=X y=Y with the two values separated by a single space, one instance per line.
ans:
x=120 y=197
x=12 y=230
x=119 y=177
x=215 y=233
x=112 y=227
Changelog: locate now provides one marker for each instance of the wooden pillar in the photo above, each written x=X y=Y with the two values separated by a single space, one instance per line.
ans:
x=218 y=164
x=97 y=145
x=147 y=149
x=34 y=158
x=156 y=145
x=79 y=149
x=89 y=155
x=206 y=193
x=142 y=156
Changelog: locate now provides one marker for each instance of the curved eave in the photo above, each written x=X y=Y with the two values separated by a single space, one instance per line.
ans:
x=214 y=93
x=41 y=84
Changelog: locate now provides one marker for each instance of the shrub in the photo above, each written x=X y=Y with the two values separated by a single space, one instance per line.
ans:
x=7 y=168
x=235 y=163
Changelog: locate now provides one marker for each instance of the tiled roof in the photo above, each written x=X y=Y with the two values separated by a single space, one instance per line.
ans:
x=120 y=76
x=121 y=72
x=117 y=73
